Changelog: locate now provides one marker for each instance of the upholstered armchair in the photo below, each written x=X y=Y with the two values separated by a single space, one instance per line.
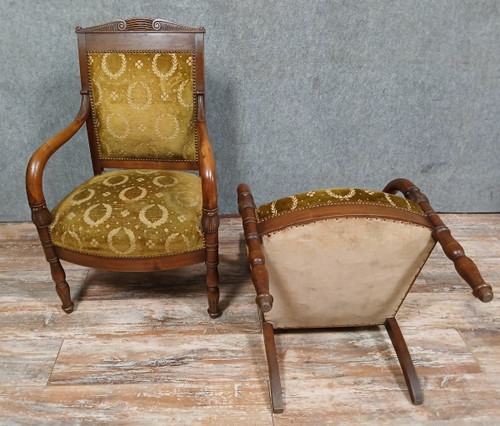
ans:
x=344 y=258
x=143 y=101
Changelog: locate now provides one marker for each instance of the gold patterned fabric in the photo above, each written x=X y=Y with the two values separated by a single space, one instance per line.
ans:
x=143 y=105
x=327 y=197
x=131 y=213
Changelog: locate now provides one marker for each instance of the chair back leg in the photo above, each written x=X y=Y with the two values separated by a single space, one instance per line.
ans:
x=398 y=341
x=272 y=363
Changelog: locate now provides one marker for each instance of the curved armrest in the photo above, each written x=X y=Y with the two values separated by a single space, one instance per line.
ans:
x=206 y=160
x=36 y=165
x=453 y=250
x=207 y=169
x=260 y=277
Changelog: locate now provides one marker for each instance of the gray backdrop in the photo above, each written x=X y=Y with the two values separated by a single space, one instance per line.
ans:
x=300 y=94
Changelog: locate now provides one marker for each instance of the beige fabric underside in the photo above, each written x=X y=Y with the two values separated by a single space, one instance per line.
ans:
x=342 y=272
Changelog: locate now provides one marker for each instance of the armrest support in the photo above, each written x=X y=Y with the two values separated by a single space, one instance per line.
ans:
x=210 y=211
x=260 y=276
x=36 y=165
x=466 y=268
x=206 y=160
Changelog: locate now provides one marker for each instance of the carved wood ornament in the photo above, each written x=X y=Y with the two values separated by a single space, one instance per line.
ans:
x=139 y=25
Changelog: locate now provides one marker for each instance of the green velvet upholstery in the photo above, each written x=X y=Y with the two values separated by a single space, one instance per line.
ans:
x=143 y=105
x=131 y=213
x=335 y=196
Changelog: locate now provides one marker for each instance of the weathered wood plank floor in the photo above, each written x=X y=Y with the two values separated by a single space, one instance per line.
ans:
x=140 y=348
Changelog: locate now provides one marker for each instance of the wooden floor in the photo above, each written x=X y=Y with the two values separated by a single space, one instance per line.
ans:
x=140 y=348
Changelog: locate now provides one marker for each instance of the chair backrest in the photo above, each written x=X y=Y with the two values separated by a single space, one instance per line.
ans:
x=144 y=78
x=341 y=264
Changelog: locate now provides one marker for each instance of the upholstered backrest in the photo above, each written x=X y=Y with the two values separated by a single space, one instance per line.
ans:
x=336 y=262
x=144 y=78
x=143 y=104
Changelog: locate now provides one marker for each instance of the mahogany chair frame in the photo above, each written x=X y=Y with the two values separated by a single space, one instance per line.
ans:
x=136 y=34
x=253 y=235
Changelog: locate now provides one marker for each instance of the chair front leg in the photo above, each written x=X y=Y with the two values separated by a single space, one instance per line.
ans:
x=42 y=218
x=210 y=224
x=465 y=267
x=256 y=258
x=39 y=213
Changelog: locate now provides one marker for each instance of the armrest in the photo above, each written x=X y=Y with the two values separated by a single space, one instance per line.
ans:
x=207 y=169
x=206 y=160
x=36 y=165
x=260 y=277
x=466 y=268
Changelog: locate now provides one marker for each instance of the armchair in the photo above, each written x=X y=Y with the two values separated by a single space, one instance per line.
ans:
x=344 y=258
x=143 y=100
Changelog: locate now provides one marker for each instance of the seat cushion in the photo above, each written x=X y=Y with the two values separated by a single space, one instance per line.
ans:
x=326 y=197
x=131 y=213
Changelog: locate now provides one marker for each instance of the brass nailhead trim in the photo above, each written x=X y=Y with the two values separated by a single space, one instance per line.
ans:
x=260 y=219
x=130 y=257
x=349 y=218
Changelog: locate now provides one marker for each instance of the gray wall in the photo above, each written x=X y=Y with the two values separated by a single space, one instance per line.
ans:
x=300 y=94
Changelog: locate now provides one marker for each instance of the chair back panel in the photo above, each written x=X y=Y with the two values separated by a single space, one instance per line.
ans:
x=342 y=272
x=143 y=77
x=143 y=105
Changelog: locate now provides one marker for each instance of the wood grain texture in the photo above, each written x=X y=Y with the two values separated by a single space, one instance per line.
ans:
x=27 y=362
x=369 y=352
x=230 y=403
x=342 y=401
x=160 y=358
x=141 y=349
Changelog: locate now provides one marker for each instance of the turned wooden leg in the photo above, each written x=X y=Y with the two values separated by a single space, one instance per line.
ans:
x=466 y=268
x=62 y=287
x=42 y=218
x=256 y=258
x=210 y=225
x=272 y=363
x=398 y=341
x=213 y=291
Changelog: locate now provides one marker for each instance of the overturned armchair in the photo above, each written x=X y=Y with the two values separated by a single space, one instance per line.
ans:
x=344 y=257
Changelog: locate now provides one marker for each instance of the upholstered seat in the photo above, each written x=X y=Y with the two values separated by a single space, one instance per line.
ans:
x=378 y=223
x=332 y=197
x=131 y=213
